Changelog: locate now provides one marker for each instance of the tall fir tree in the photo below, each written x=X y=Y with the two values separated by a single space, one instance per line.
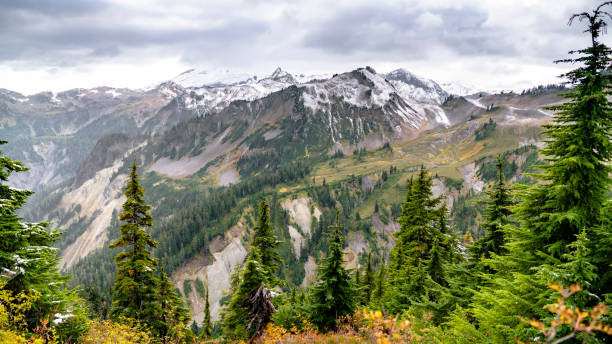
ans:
x=135 y=288
x=379 y=288
x=236 y=317
x=260 y=268
x=28 y=262
x=572 y=197
x=334 y=295
x=421 y=225
x=358 y=287
x=207 y=329
x=496 y=216
x=368 y=284
x=465 y=276
x=435 y=264
x=397 y=255
x=267 y=243
x=173 y=316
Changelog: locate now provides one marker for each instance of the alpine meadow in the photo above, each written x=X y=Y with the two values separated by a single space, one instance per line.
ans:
x=222 y=206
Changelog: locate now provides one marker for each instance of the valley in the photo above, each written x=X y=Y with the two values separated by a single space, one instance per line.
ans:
x=351 y=141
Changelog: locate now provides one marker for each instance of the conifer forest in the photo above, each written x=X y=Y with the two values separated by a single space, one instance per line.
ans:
x=312 y=213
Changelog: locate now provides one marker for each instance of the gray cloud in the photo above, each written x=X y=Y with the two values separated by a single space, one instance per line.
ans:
x=463 y=31
x=64 y=36
x=53 y=8
x=304 y=35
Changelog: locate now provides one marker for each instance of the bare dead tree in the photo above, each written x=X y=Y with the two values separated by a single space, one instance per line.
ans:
x=261 y=310
x=597 y=24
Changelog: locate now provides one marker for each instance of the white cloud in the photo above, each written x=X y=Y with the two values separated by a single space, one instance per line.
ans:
x=496 y=44
x=428 y=20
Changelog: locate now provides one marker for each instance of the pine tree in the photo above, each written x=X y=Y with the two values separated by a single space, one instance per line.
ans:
x=173 y=314
x=28 y=262
x=334 y=294
x=398 y=253
x=466 y=276
x=448 y=240
x=368 y=284
x=496 y=217
x=571 y=198
x=266 y=243
x=260 y=268
x=576 y=269
x=419 y=214
x=207 y=321
x=357 y=284
x=135 y=288
x=379 y=288
x=236 y=318
x=422 y=223
x=435 y=264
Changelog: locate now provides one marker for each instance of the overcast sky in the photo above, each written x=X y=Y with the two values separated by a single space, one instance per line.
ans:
x=499 y=44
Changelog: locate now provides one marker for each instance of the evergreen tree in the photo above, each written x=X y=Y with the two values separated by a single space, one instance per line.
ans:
x=135 y=289
x=418 y=221
x=435 y=264
x=379 y=288
x=260 y=269
x=465 y=276
x=357 y=284
x=334 y=294
x=576 y=269
x=207 y=328
x=422 y=223
x=368 y=284
x=28 y=262
x=496 y=217
x=266 y=243
x=571 y=198
x=448 y=240
x=398 y=254
x=236 y=319
x=173 y=314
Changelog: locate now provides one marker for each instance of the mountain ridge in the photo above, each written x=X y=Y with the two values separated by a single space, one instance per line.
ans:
x=297 y=142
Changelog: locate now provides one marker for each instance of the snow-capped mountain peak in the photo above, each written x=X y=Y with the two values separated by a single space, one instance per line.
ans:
x=280 y=75
x=418 y=88
x=458 y=89
x=213 y=78
x=398 y=93
x=412 y=102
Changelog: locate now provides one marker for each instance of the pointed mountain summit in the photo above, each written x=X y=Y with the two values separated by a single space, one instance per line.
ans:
x=282 y=76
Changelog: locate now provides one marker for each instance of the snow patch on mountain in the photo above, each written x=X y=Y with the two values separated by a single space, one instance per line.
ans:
x=304 y=78
x=213 y=78
x=414 y=87
x=216 y=96
x=348 y=88
x=113 y=93
x=458 y=89
x=398 y=93
x=440 y=115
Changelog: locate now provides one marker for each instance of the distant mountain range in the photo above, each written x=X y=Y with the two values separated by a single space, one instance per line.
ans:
x=303 y=141
x=409 y=102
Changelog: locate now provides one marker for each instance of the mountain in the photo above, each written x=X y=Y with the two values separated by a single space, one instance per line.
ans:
x=212 y=78
x=417 y=88
x=458 y=89
x=209 y=151
x=53 y=132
